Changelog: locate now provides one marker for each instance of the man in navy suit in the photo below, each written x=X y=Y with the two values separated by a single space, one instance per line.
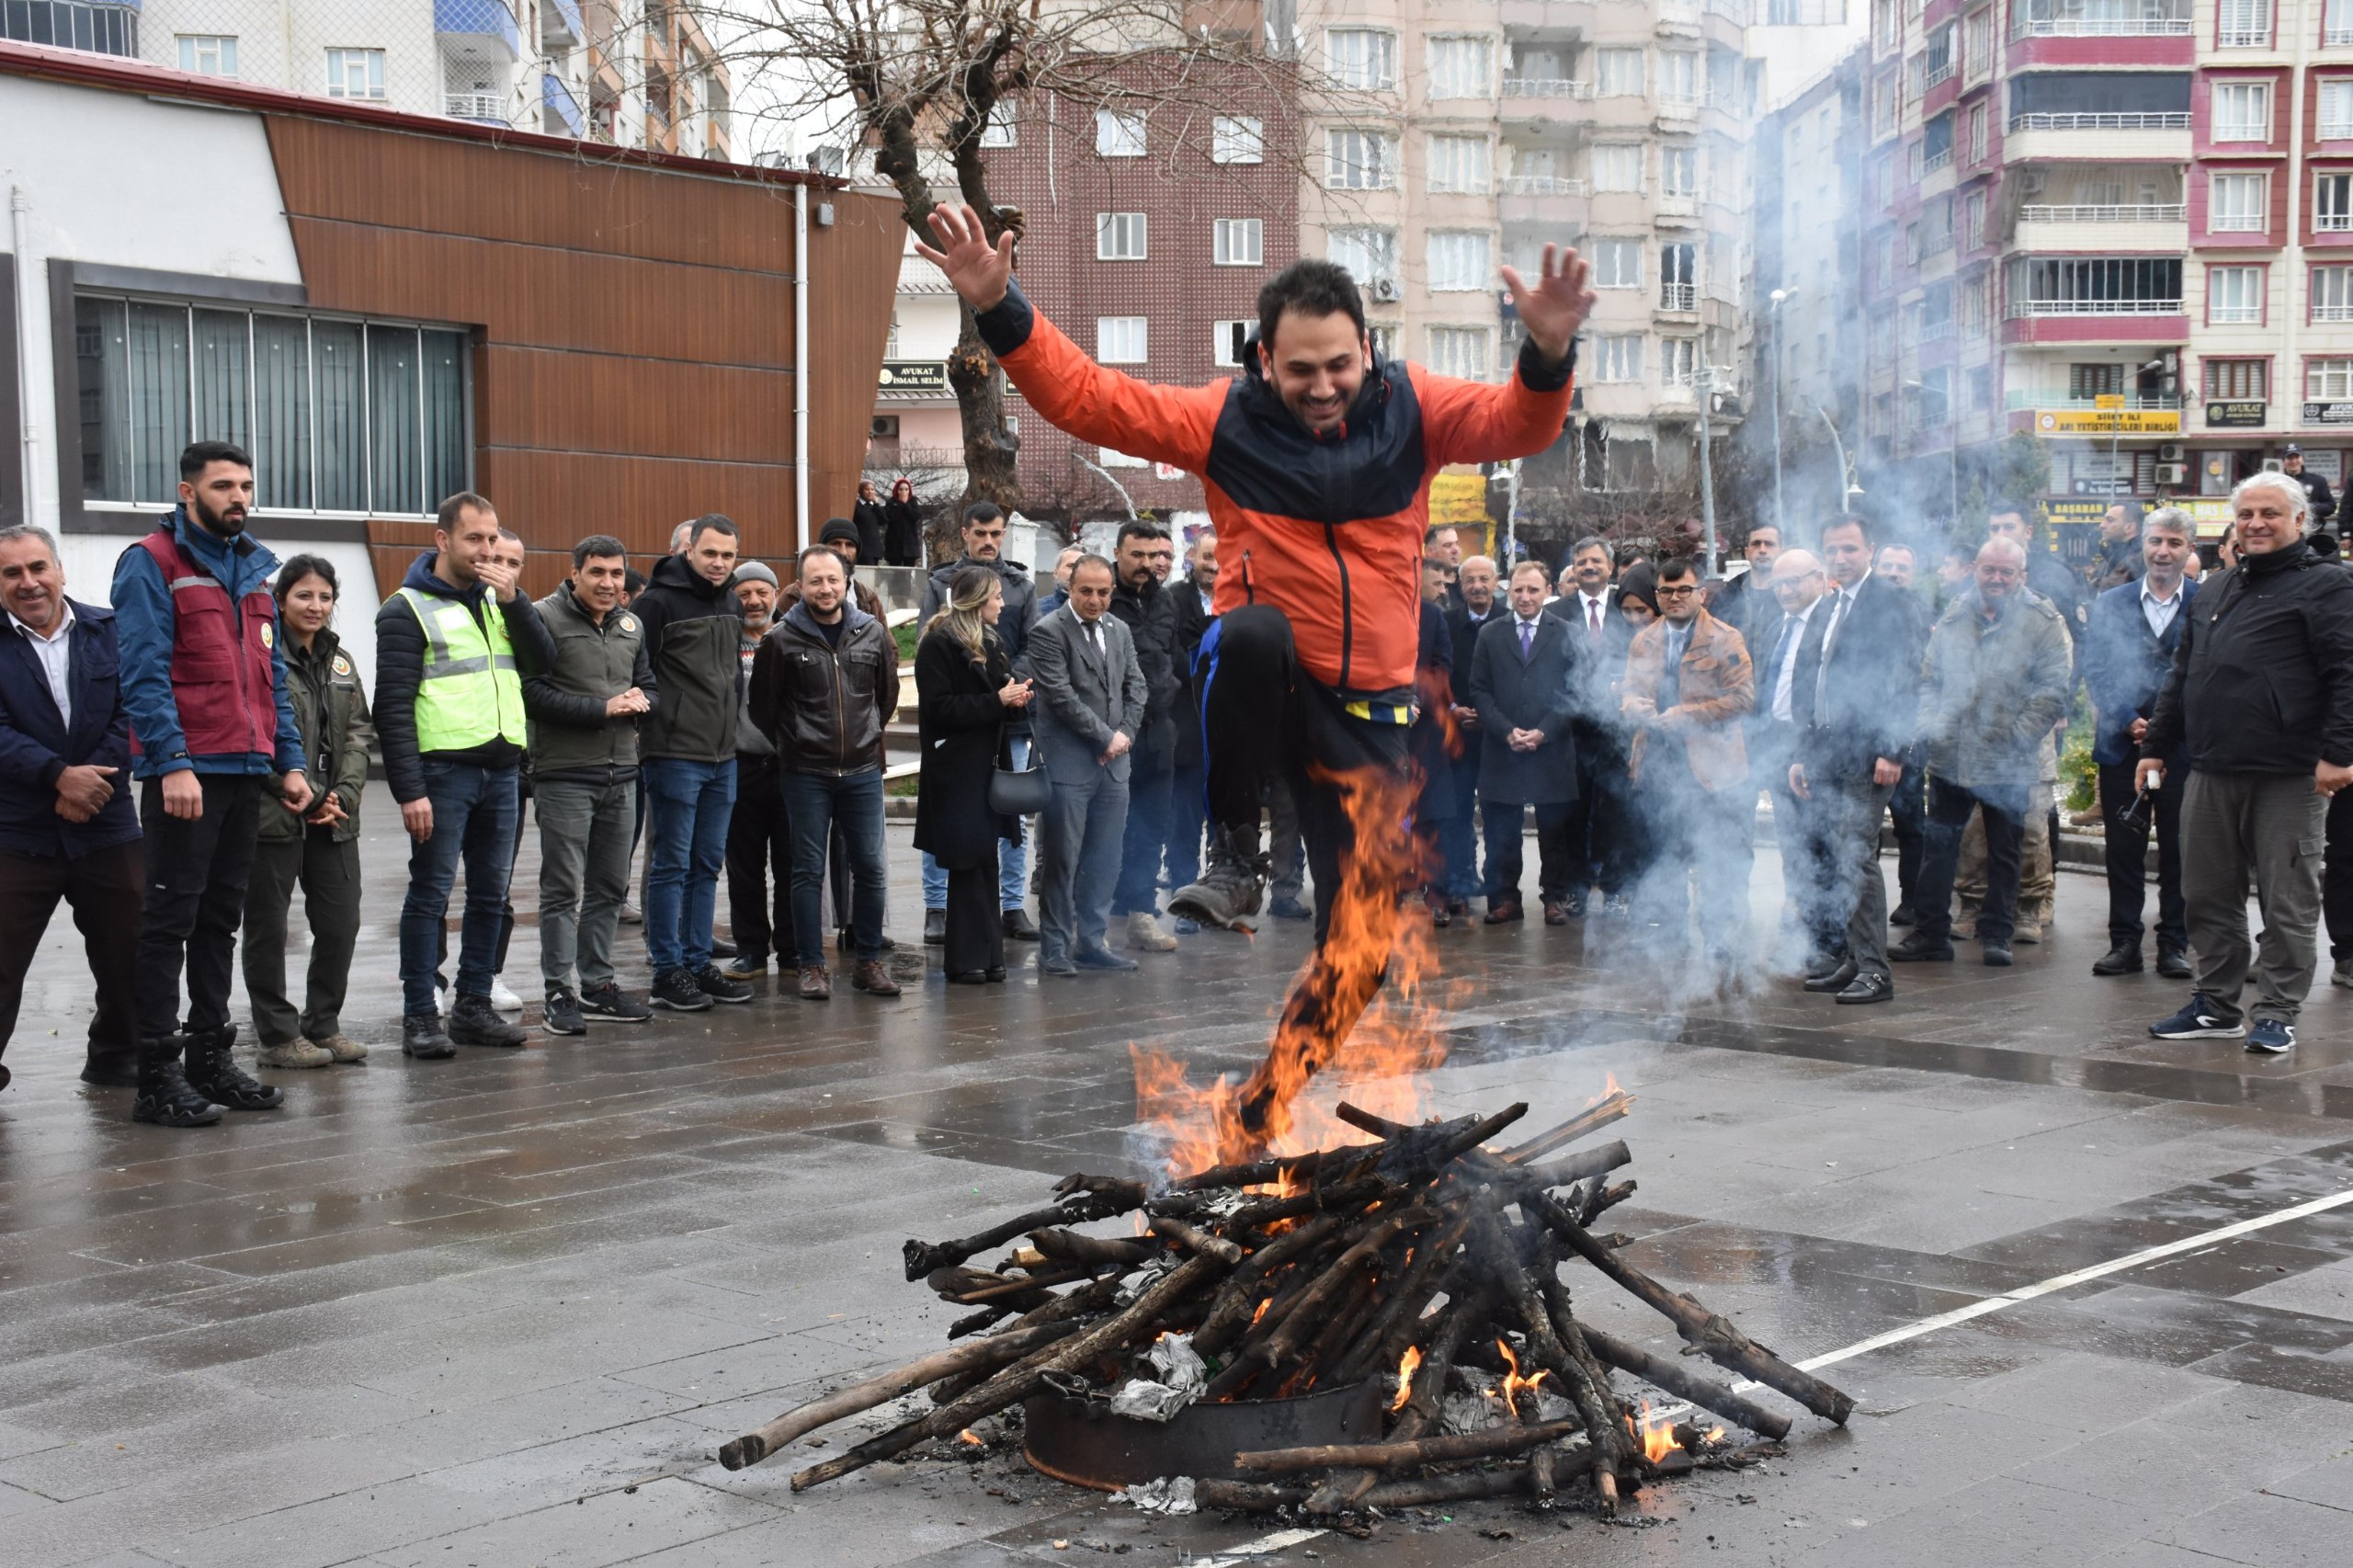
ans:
x=67 y=825
x=1522 y=673
x=2129 y=647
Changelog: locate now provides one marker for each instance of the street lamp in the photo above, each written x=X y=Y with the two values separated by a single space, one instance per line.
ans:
x=1848 y=489
x=1780 y=364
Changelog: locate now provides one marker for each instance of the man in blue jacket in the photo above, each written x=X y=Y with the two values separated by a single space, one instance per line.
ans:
x=67 y=829
x=213 y=744
x=2135 y=626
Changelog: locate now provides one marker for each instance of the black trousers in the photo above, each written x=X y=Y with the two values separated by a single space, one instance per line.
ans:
x=104 y=889
x=1262 y=717
x=328 y=874
x=759 y=864
x=2128 y=862
x=1556 y=863
x=1908 y=810
x=1604 y=832
x=1949 y=807
x=196 y=873
x=975 y=924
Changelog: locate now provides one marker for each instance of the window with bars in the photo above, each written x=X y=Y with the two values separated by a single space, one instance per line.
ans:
x=340 y=416
x=2328 y=381
x=1464 y=351
x=2235 y=295
x=1369 y=255
x=1359 y=160
x=1459 y=165
x=1121 y=340
x=1618 y=73
x=355 y=73
x=1462 y=67
x=1977 y=119
x=2332 y=293
x=1238 y=139
x=1119 y=236
x=1240 y=241
x=1617 y=358
x=2246 y=381
x=2242 y=111
x=2094 y=380
x=1361 y=59
x=1617 y=263
x=1460 y=260
x=2237 y=204
x=1678 y=277
x=1118 y=135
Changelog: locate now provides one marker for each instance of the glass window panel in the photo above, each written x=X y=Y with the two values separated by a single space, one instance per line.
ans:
x=222 y=395
x=395 y=448
x=445 y=446
x=340 y=369
x=158 y=356
x=281 y=422
x=101 y=349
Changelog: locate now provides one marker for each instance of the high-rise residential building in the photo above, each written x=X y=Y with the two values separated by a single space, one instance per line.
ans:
x=623 y=71
x=2124 y=225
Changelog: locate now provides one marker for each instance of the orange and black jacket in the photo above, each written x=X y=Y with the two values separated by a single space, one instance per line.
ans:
x=1326 y=528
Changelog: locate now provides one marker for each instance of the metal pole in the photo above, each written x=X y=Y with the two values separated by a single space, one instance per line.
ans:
x=1781 y=367
x=803 y=535
x=1707 y=471
x=20 y=209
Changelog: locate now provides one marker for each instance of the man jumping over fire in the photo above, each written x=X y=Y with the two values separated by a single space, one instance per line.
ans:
x=1317 y=461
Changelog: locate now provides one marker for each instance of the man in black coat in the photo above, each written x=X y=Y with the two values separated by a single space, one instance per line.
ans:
x=2259 y=698
x=1146 y=554
x=1863 y=713
x=1522 y=683
x=2316 y=491
x=1458 y=842
x=1600 y=847
x=1746 y=604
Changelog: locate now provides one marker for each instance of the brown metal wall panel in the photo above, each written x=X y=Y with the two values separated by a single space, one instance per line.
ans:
x=558 y=400
x=853 y=289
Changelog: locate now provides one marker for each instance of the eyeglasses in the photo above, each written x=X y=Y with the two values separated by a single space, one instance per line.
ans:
x=1688 y=589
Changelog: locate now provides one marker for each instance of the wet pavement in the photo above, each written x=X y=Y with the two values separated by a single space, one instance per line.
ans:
x=504 y=1309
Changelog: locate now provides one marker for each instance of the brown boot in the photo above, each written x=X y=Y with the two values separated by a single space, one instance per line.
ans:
x=870 y=977
x=816 y=985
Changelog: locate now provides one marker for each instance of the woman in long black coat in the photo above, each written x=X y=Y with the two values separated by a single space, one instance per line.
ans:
x=869 y=518
x=965 y=691
x=901 y=527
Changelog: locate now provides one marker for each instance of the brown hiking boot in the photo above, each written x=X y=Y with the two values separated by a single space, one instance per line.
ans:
x=816 y=985
x=870 y=976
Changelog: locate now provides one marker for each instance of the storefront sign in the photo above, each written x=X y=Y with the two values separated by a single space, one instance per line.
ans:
x=2328 y=414
x=2235 y=416
x=2111 y=421
x=923 y=377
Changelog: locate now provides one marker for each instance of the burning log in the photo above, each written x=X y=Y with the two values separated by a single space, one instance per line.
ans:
x=1683 y=1383
x=1508 y=1439
x=1617 y=1104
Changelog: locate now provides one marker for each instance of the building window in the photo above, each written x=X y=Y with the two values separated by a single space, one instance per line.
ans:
x=355 y=73
x=1240 y=241
x=1119 y=236
x=1618 y=166
x=1617 y=263
x=2336 y=23
x=2094 y=285
x=1384 y=338
x=1678 y=170
x=92 y=25
x=1977 y=133
x=2336 y=109
x=2235 y=295
x=1678 y=277
x=2328 y=381
x=2246 y=381
x=2243 y=24
x=1225 y=348
x=1459 y=165
x=2332 y=202
x=2242 y=111
x=1111 y=457
x=1678 y=77
x=1619 y=359
x=1121 y=340
x=1618 y=73
x=1238 y=139
x=1118 y=135
x=340 y=416
x=1462 y=67
x=1460 y=260
x=1359 y=160
x=1464 y=351
x=1361 y=59
x=1369 y=255
x=2237 y=204
x=1972 y=222
x=1678 y=361
x=999 y=131
x=208 y=54
x=2332 y=293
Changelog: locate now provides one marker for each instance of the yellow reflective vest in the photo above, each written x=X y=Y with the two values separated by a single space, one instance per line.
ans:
x=470 y=691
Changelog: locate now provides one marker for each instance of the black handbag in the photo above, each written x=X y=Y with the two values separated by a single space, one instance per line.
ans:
x=1020 y=791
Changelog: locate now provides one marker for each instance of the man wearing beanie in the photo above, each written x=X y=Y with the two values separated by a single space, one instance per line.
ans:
x=760 y=846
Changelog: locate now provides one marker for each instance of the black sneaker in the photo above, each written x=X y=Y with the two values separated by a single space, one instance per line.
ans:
x=165 y=1097
x=676 y=989
x=562 y=1015
x=421 y=1037
x=473 y=1021
x=212 y=1072
x=611 y=1004
x=718 y=987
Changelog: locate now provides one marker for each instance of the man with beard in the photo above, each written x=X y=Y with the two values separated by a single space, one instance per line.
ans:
x=1458 y=840
x=1746 y=602
x=191 y=601
x=759 y=839
x=1141 y=605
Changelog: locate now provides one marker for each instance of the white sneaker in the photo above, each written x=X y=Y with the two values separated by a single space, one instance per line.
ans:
x=502 y=1000
x=1145 y=935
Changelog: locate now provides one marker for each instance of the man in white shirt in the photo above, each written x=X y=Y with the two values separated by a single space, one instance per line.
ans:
x=1789 y=663
x=1588 y=607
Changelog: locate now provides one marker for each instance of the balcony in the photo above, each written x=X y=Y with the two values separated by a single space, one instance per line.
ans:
x=1678 y=207
x=2336 y=37
x=2333 y=313
x=1935 y=162
x=2336 y=129
x=2150 y=122
x=1542 y=185
x=1937 y=75
x=479 y=29
x=1545 y=87
x=486 y=108
x=560 y=24
x=557 y=103
x=2107 y=27
x=2244 y=38
x=1679 y=106
x=2159 y=213
x=1678 y=296
x=2332 y=222
x=2028 y=398
x=2031 y=310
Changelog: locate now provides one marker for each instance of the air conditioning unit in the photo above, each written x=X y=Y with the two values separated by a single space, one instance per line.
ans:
x=2173 y=473
x=2170 y=452
x=1384 y=289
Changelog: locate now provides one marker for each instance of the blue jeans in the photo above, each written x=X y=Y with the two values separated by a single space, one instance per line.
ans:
x=815 y=805
x=1011 y=859
x=1146 y=840
x=688 y=807
x=474 y=816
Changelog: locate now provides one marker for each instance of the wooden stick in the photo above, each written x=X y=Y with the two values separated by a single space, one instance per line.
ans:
x=1591 y=1120
x=1603 y=1199
x=1383 y=1341
x=1082 y=1303
x=1462 y=1315
x=1094 y=1251
x=1118 y=1191
x=1714 y=1337
x=1306 y=1315
x=923 y=1257
x=1025 y=1377
x=1229 y=1314
x=1505 y=1439
x=980 y=1354
x=1461 y=1486
x=1194 y=1239
x=1683 y=1383
x=1347 y=1195
x=1578 y=1167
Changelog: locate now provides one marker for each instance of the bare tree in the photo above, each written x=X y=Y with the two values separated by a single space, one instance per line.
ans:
x=919 y=84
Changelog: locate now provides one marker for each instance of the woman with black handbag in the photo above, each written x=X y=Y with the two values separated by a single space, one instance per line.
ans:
x=965 y=690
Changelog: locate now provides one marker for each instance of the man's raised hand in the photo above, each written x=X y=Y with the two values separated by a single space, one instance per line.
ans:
x=978 y=269
x=1555 y=307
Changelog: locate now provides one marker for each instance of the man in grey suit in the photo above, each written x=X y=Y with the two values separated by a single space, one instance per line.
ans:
x=1092 y=696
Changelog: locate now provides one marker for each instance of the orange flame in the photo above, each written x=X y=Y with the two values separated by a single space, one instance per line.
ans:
x=1368 y=953
x=1406 y=1367
x=967 y=1437
x=1657 y=1434
x=1261 y=1311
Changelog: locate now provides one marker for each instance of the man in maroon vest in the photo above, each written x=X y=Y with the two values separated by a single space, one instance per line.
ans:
x=213 y=744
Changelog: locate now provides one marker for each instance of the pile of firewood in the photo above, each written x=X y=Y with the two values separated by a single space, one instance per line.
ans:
x=1423 y=1259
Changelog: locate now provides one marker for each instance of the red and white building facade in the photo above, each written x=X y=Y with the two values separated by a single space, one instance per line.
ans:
x=2126 y=226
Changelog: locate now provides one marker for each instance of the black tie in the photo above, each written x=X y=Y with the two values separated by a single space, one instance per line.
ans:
x=1670 y=678
x=1802 y=686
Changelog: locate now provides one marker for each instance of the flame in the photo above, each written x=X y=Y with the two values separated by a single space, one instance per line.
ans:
x=1366 y=989
x=1261 y=1311
x=1514 y=1385
x=967 y=1437
x=1715 y=1435
x=1657 y=1434
x=1406 y=1367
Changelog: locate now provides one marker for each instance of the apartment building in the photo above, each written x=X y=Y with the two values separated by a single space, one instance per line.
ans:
x=2124 y=225
x=619 y=72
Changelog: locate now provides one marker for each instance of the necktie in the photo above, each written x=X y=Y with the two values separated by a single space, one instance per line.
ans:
x=1526 y=638
x=1822 y=672
x=1670 y=678
x=1593 y=616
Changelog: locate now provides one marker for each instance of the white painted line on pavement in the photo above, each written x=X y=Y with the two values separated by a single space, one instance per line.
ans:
x=1265 y=1546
